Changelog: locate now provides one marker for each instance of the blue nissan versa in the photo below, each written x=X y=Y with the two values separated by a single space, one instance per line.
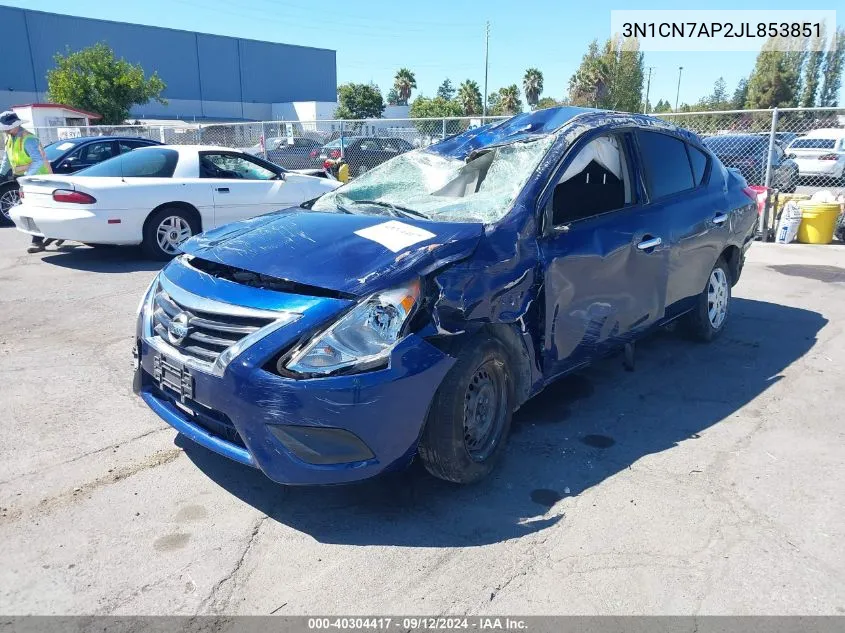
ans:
x=411 y=311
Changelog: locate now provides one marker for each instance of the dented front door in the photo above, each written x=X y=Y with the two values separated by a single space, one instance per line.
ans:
x=605 y=281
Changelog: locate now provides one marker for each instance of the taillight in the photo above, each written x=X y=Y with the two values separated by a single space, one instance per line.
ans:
x=314 y=153
x=828 y=157
x=335 y=153
x=75 y=197
x=327 y=164
x=758 y=197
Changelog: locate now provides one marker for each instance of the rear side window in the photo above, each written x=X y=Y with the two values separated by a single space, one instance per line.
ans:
x=698 y=160
x=667 y=168
x=813 y=143
x=142 y=163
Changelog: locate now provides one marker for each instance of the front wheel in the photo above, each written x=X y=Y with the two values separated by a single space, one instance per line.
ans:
x=9 y=197
x=470 y=416
x=707 y=320
x=165 y=231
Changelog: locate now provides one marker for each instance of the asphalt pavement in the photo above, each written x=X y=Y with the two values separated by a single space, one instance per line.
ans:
x=707 y=481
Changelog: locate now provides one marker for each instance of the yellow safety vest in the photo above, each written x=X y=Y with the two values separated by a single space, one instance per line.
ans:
x=19 y=159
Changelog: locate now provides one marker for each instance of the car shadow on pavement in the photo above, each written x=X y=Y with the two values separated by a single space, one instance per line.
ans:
x=100 y=259
x=578 y=432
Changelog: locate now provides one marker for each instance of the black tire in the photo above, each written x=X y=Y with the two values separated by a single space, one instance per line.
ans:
x=6 y=190
x=699 y=324
x=448 y=448
x=150 y=245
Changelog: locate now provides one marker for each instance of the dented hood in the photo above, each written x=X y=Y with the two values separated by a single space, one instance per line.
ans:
x=353 y=254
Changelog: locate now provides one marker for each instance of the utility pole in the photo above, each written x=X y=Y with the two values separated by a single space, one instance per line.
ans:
x=486 y=63
x=647 y=89
x=678 y=94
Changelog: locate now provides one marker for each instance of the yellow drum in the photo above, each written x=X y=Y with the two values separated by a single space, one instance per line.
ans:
x=818 y=222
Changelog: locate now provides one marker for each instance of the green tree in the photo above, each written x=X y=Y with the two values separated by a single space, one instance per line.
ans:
x=774 y=81
x=94 y=79
x=403 y=83
x=716 y=100
x=812 y=70
x=509 y=101
x=832 y=70
x=548 y=102
x=740 y=95
x=662 y=106
x=494 y=100
x=609 y=77
x=532 y=85
x=469 y=96
x=392 y=97
x=438 y=107
x=446 y=90
x=359 y=101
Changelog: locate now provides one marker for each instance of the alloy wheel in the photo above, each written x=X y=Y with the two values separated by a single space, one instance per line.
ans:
x=171 y=232
x=8 y=200
x=717 y=297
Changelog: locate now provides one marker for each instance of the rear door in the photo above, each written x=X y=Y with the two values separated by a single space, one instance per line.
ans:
x=243 y=187
x=684 y=188
x=604 y=251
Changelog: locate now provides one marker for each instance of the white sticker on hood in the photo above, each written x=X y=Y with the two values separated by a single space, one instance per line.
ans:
x=395 y=235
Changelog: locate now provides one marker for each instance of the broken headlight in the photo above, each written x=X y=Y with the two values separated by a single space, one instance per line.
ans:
x=362 y=339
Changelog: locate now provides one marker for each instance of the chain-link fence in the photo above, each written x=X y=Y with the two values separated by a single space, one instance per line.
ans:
x=794 y=152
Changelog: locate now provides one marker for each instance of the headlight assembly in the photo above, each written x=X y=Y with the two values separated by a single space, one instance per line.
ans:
x=363 y=338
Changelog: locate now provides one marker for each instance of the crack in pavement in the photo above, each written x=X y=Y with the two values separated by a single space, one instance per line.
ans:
x=50 y=504
x=216 y=600
x=88 y=454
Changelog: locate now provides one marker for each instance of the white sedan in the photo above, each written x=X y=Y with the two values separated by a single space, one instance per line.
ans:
x=821 y=153
x=159 y=196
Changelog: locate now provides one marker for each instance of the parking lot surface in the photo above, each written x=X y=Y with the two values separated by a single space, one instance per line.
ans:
x=707 y=481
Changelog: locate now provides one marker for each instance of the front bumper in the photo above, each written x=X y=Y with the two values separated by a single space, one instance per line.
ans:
x=305 y=431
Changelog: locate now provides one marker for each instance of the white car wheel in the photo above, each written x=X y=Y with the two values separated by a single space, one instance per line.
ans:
x=171 y=232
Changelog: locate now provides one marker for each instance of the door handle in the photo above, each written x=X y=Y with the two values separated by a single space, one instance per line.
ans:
x=720 y=218
x=650 y=243
x=223 y=189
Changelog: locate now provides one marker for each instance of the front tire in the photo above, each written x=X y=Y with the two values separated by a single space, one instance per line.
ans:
x=470 y=417
x=165 y=230
x=9 y=197
x=707 y=321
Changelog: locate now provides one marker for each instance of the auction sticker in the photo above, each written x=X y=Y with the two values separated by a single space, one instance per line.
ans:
x=395 y=235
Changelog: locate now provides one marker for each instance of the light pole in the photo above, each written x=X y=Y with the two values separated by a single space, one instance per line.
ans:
x=678 y=93
x=647 y=90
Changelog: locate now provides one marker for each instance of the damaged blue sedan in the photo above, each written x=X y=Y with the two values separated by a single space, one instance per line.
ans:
x=413 y=310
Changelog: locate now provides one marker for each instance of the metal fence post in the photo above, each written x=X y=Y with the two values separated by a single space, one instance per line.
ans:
x=264 y=139
x=443 y=137
x=342 y=143
x=768 y=180
x=199 y=134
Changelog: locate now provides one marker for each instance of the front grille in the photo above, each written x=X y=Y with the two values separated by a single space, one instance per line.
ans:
x=214 y=422
x=207 y=334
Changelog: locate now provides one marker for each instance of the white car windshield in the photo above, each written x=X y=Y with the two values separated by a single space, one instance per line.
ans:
x=420 y=182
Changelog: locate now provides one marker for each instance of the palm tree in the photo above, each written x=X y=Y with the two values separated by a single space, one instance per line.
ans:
x=403 y=83
x=469 y=96
x=532 y=85
x=510 y=103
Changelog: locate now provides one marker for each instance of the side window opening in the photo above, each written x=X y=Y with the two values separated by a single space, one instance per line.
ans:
x=596 y=181
x=666 y=164
x=698 y=160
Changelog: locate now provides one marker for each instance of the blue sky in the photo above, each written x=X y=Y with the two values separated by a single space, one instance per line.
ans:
x=438 y=38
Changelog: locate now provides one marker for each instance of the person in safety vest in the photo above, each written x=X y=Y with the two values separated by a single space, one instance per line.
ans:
x=24 y=157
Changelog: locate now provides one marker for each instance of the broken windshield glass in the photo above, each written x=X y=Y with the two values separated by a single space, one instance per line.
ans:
x=443 y=188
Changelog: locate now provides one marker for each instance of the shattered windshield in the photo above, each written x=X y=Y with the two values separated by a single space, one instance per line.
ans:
x=426 y=184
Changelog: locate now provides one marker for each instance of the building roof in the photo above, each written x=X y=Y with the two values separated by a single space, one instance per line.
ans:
x=90 y=115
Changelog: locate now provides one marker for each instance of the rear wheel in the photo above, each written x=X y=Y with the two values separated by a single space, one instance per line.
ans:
x=165 y=231
x=9 y=197
x=707 y=320
x=470 y=417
